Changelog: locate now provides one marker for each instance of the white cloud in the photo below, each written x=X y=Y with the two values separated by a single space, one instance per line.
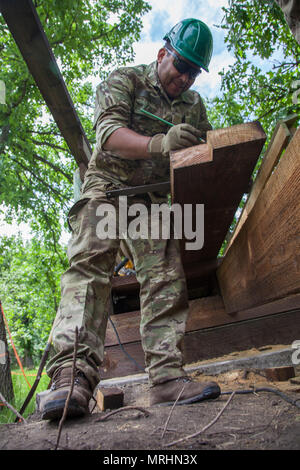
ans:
x=9 y=230
x=209 y=84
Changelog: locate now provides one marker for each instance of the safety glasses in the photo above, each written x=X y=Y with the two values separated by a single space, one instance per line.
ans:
x=183 y=67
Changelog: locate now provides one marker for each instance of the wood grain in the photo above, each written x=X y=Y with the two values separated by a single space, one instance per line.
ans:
x=215 y=174
x=279 y=142
x=263 y=263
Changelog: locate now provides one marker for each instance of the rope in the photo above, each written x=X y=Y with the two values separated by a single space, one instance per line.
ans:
x=13 y=346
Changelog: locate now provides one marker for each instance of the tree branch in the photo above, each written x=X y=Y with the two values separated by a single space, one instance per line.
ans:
x=48 y=144
x=53 y=235
x=4 y=135
x=23 y=93
x=205 y=427
x=54 y=191
x=12 y=408
x=54 y=167
x=44 y=132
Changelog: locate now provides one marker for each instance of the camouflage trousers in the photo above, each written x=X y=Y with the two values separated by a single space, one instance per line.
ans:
x=85 y=296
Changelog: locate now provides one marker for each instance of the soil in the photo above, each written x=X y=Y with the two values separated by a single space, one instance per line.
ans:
x=256 y=421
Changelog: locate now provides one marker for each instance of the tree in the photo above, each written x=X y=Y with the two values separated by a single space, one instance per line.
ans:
x=36 y=168
x=262 y=83
x=291 y=11
x=30 y=290
x=6 y=386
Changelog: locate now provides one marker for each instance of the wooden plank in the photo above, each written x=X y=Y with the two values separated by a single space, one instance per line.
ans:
x=125 y=284
x=278 y=329
x=263 y=263
x=216 y=174
x=212 y=343
x=204 y=313
x=279 y=142
x=28 y=33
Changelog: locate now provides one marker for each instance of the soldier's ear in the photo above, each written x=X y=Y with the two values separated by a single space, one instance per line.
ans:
x=161 y=54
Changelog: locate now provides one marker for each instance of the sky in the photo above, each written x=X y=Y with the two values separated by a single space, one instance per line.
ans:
x=163 y=15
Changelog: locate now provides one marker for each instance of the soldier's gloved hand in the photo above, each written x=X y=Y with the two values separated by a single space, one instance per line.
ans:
x=178 y=137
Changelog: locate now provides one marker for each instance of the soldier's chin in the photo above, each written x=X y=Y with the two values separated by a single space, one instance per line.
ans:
x=173 y=91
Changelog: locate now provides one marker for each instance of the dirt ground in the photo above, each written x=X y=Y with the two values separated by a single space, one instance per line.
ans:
x=256 y=421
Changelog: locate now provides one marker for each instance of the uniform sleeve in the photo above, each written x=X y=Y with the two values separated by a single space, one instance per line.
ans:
x=204 y=123
x=113 y=105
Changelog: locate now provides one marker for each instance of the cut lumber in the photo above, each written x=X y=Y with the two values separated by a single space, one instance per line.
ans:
x=263 y=263
x=280 y=374
x=207 y=312
x=279 y=141
x=213 y=342
x=109 y=398
x=216 y=174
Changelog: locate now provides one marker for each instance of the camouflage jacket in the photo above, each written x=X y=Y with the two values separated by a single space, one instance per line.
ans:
x=119 y=101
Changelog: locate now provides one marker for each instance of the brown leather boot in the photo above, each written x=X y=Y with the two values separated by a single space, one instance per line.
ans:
x=51 y=403
x=167 y=393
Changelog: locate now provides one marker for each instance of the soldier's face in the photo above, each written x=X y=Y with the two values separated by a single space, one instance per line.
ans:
x=173 y=82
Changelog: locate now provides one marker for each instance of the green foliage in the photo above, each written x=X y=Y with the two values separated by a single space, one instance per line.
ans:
x=88 y=38
x=21 y=390
x=261 y=84
x=30 y=291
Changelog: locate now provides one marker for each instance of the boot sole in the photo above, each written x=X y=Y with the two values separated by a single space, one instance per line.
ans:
x=54 y=409
x=208 y=393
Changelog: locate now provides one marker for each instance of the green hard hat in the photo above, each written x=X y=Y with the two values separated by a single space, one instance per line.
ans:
x=193 y=40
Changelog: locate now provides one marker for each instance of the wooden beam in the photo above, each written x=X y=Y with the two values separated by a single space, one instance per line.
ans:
x=211 y=343
x=207 y=312
x=279 y=141
x=25 y=26
x=216 y=174
x=263 y=263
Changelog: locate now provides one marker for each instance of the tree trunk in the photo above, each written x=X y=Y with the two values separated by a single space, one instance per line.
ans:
x=6 y=386
x=291 y=11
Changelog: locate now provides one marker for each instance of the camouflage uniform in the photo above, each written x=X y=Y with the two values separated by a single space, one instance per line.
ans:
x=86 y=284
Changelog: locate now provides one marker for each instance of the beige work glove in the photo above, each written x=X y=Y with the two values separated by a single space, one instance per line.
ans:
x=178 y=137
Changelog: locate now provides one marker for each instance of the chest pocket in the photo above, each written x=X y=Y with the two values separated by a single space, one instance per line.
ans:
x=192 y=116
x=151 y=102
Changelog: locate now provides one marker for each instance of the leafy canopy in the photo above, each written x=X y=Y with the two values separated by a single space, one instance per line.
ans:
x=30 y=291
x=263 y=81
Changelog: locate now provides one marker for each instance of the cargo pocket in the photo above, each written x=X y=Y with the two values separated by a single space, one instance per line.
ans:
x=72 y=216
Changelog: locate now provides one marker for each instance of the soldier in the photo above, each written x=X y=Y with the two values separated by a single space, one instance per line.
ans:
x=132 y=149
